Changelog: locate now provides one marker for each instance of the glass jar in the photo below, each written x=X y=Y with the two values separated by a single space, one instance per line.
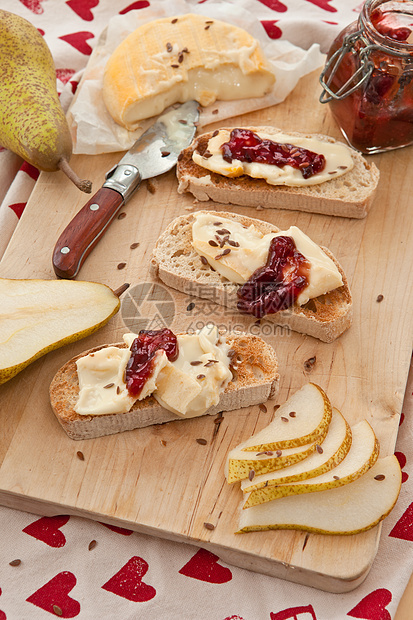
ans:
x=368 y=77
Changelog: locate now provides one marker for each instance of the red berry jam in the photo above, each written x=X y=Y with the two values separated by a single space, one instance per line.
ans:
x=372 y=78
x=277 y=285
x=245 y=145
x=143 y=349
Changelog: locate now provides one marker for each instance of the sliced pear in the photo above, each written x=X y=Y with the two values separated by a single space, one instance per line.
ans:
x=363 y=453
x=349 y=509
x=335 y=447
x=238 y=467
x=37 y=316
x=299 y=421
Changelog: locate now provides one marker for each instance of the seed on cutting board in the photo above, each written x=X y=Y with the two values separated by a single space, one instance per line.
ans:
x=80 y=455
x=308 y=364
x=379 y=298
x=284 y=419
x=209 y=526
x=162 y=442
x=292 y=414
x=133 y=246
x=122 y=215
x=190 y=306
x=202 y=441
x=121 y=265
x=262 y=407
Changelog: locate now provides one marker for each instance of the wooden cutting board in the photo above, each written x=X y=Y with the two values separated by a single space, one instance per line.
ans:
x=160 y=480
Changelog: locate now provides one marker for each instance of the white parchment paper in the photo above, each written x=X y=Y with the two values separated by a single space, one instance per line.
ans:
x=94 y=131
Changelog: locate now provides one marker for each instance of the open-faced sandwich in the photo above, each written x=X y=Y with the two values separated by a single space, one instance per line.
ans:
x=157 y=376
x=252 y=267
x=266 y=167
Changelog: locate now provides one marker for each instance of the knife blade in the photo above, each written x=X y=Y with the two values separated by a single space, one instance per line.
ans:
x=154 y=153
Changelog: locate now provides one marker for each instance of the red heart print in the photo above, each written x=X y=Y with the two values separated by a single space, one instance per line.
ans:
x=117 y=529
x=47 y=530
x=33 y=5
x=404 y=526
x=55 y=592
x=128 y=582
x=82 y=8
x=271 y=29
x=18 y=208
x=140 y=4
x=64 y=75
x=274 y=5
x=78 y=41
x=293 y=613
x=372 y=606
x=401 y=457
x=30 y=170
x=323 y=4
x=204 y=566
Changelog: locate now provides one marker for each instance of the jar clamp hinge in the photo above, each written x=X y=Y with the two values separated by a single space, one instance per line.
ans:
x=359 y=77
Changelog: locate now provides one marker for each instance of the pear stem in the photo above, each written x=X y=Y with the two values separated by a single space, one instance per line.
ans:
x=84 y=185
x=121 y=289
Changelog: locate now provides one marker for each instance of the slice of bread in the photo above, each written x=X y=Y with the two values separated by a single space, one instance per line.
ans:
x=179 y=266
x=255 y=379
x=350 y=195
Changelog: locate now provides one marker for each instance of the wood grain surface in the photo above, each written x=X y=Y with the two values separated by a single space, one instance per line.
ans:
x=160 y=480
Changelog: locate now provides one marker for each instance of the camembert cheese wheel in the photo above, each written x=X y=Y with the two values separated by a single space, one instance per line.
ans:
x=176 y=59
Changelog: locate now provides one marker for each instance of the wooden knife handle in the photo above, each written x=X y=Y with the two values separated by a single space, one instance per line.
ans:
x=84 y=231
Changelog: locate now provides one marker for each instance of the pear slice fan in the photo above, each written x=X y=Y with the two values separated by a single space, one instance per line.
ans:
x=38 y=316
x=338 y=485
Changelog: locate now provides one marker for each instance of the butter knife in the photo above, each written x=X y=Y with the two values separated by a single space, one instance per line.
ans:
x=154 y=153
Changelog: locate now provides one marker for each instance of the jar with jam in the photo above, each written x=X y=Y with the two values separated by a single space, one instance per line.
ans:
x=368 y=77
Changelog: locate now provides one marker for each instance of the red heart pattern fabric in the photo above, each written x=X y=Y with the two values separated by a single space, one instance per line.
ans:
x=128 y=582
x=54 y=596
x=373 y=606
x=47 y=529
x=205 y=566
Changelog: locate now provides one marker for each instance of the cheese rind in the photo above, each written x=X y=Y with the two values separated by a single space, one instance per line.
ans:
x=337 y=155
x=177 y=59
x=252 y=252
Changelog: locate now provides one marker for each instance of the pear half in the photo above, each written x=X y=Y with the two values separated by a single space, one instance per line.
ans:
x=37 y=316
x=299 y=421
x=349 y=509
x=334 y=449
x=363 y=453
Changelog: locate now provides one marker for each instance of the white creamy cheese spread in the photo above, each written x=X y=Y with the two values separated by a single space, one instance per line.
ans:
x=181 y=387
x=338 y=161
x=251 y=249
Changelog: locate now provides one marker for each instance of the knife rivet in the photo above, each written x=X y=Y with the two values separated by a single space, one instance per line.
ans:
x=94 y=206
x=65 y=250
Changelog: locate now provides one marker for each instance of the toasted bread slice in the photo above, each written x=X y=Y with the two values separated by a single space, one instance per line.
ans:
x=255 y=380
x=179 y=266
x=350 y=195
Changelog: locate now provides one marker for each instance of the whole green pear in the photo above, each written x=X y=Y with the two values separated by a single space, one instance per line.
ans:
x=32 y=121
